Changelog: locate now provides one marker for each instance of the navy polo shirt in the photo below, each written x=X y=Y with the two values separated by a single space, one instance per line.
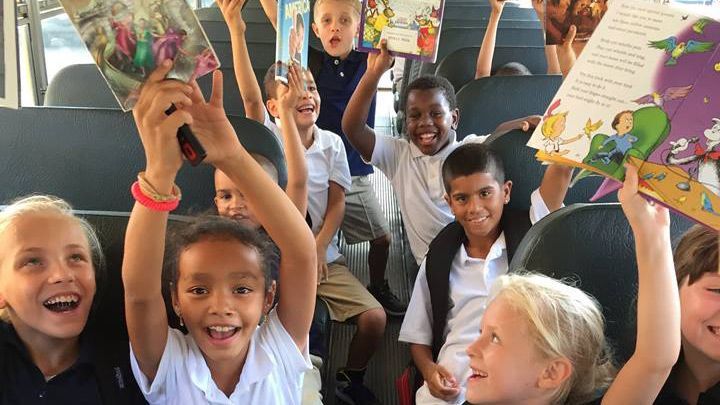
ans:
x=336 y=81
x=21 y=382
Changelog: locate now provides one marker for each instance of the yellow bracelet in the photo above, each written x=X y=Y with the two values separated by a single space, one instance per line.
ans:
x=149 y=190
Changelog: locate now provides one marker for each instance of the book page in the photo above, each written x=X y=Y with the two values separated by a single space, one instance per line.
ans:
x=612 y=105
x=128 y=40
x=411 y=27
x=292 y=36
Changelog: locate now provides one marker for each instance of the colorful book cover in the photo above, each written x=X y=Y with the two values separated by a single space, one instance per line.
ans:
x=292 y=36
x=561 y=14
x=9 y=89
x=128 y=39
x=646 y=89
x=411 y=27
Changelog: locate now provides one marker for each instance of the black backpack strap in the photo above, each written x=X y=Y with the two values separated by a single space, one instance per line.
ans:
x=438 y=263
x=515 y=224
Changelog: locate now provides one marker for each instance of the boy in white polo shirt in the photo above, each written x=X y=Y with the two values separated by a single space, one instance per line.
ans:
x=463 y=261
x=413 y=165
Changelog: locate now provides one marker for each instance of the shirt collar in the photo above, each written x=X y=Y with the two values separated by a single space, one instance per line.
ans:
x=496 y=251
x=12 y=339
x=442 y=153
x=353 y=57
x=258 y=365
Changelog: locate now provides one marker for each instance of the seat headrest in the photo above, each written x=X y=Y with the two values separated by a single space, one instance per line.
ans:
x=80 y=86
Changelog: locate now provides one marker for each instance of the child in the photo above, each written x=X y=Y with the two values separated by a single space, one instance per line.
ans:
x=623 y=138
x=526 y=353
x=413 y=165
x=337 y=70
x=328 y=180
x=487 y=49
x=695 y=379
x=463 y=261
x=49 y=265
x=218 y=269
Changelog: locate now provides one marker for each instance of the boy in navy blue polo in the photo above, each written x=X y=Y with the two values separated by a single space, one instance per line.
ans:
x=337 y=71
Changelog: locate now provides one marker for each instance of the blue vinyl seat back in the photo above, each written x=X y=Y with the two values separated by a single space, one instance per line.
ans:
x=80 y=85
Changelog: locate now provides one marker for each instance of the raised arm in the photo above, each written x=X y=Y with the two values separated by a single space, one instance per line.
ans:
x=296 y=188
x=354 y=122
x=333 y=218
x=657 y=345
x=244 y=74
x=275 y=212
x=483 y=66
x=554 y=185
x=145 y=237
x=550 y=50
x=566 y=54
x=270 y=9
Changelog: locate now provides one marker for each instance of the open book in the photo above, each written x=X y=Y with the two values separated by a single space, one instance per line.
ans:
x=128 y=39
x=646 y=90
x=584 y=14
x=411 y=27
x=292 y=36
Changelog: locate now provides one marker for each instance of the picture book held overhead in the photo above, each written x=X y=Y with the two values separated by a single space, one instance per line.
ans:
x=411 y=27
x=128 y=39
x=645 y=91
x=293 y=32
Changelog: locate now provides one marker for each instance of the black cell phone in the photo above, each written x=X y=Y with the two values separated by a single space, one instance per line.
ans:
x=189 y=144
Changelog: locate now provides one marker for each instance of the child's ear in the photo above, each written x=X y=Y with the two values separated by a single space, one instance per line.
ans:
x=269 y=297
x=315 y=29
x=555 y=374
x=3 y=303
x=447 y=200
x=507 y=189
x=174 y=298
x=455 y=118
x=272 y=107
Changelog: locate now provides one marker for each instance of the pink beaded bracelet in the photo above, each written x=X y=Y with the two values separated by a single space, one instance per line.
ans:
x=150 y=203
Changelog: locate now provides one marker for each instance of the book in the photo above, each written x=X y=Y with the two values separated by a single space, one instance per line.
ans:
x=411 y=27
x=293 y=32
x=561 y=14
x=9 y=89
x=128 y=39
x=646 y=90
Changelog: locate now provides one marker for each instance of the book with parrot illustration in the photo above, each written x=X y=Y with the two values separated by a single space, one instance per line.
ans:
x=128 y=39
x=292 y=36
x=645 y=91
x=411 y=27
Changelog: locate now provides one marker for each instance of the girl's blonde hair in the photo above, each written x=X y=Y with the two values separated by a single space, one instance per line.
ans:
x=564 y=322
x=548 y=127
x=51 y=204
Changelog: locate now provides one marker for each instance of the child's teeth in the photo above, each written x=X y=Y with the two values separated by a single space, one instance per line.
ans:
x=222 y=328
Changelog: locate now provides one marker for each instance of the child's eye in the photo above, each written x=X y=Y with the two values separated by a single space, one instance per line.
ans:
x=437 y=114
x=242 y=290
x=78 y=258
x=485 y=193
x=494 y=338
x=32 y=262
x=198 y=291
x=714 y=290
x=461 y=199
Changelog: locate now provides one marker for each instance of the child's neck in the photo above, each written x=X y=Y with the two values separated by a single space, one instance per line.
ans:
x=307 y=136
x=51 y=355
x=344 y=55
x=478 y=247
x=226 y=374
x=695 y=374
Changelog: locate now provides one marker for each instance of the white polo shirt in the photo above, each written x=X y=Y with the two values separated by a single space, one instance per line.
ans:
x=418 y=184
x=272 y=373
x=326 y=161
x=470 y=282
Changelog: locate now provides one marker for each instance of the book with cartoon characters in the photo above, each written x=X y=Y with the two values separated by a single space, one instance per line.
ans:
x=411 y=27
x=292 y=36
x=646 y=90
x=561 y=14
x=9 y=90
x=128 y=39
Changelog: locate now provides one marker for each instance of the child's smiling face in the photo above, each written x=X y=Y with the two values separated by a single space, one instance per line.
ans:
x=336 y=24
x=477 y=202
x=47 y=278
x=429 y=119
x=221 y=296
x=700 y=317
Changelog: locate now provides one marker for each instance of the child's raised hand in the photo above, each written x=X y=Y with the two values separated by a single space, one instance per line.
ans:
x=290 y=94
x=645 y=217
x=566 y=52
x=158 y=131
x=539 y=6
x=232 y=13
x=497 y=6
x=530 y=122
x=379 y=63
x=211 y=125
x=442 y=384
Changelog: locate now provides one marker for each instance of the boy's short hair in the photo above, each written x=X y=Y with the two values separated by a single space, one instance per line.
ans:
x=696 y=254
x=429 y=82
x=616 y=120
x=269 y=82
x=354 y=3
x=512 y=69
x=469 y=159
